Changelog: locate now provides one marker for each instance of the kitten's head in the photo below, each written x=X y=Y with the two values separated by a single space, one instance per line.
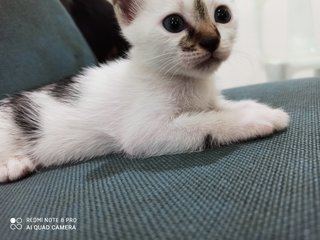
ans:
x=189 y=38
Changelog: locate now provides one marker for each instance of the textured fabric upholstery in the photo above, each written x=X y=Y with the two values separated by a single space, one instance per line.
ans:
x=39 y=44
x=265 y=189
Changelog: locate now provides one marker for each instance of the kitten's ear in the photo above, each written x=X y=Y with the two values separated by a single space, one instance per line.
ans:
x=126 y=10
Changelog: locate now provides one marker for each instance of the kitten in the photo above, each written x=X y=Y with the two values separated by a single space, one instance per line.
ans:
x=159 y=101
x=97 y=22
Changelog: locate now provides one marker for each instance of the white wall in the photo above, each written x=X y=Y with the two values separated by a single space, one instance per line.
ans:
x=246 y=65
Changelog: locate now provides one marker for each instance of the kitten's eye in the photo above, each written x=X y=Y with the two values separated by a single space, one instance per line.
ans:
x=222 y=15
x=174 y=23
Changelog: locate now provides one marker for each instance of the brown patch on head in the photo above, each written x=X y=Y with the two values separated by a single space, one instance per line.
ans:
x=192 y=41
x=203 y=21
x=204 y=29
x=189 y=42
x=126 y=10
x=201 y=11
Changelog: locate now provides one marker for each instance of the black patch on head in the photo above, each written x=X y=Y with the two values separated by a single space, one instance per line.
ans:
x=191 y=32
x=65 y=90
x=26 y=113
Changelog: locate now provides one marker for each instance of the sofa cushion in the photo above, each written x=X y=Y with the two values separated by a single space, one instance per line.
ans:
x=261 y=189
x=39 y=44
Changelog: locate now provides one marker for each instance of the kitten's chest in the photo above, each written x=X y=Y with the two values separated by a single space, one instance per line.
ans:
x=191 y=97
x=191 y=103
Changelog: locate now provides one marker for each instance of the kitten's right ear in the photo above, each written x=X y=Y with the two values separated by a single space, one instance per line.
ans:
x=126 y=10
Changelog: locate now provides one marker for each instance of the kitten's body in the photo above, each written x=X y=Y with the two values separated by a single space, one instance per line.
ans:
x=162 y=100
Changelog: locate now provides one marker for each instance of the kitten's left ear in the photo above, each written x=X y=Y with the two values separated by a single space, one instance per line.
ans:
x=126 y=10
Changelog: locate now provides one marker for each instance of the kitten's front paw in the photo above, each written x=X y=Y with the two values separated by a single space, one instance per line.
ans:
x=262 y=120
x=280 y=119
x=16 y=168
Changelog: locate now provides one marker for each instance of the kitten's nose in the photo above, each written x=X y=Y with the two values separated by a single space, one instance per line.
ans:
x=210 y=43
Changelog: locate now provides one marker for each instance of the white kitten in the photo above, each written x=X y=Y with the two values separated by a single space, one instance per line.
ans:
x=160 y=101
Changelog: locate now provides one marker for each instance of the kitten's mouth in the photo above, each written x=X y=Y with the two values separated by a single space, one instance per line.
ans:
x=210 y=60
x=203 y=62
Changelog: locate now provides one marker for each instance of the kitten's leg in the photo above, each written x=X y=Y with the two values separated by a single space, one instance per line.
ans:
x=37 y=130
x=189 y=132
x=220 y=104
x=15 y=168
x=229 y=105
x=13 y=163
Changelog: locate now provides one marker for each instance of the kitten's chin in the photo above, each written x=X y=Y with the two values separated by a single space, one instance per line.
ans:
x=209 y=63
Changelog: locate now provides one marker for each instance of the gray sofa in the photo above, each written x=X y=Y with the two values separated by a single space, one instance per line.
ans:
x=265 y=189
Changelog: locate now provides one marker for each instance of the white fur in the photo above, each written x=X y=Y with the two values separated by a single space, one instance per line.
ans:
x=152 y=104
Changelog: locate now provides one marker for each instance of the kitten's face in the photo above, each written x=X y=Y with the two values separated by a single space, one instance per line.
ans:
x=189 y=38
